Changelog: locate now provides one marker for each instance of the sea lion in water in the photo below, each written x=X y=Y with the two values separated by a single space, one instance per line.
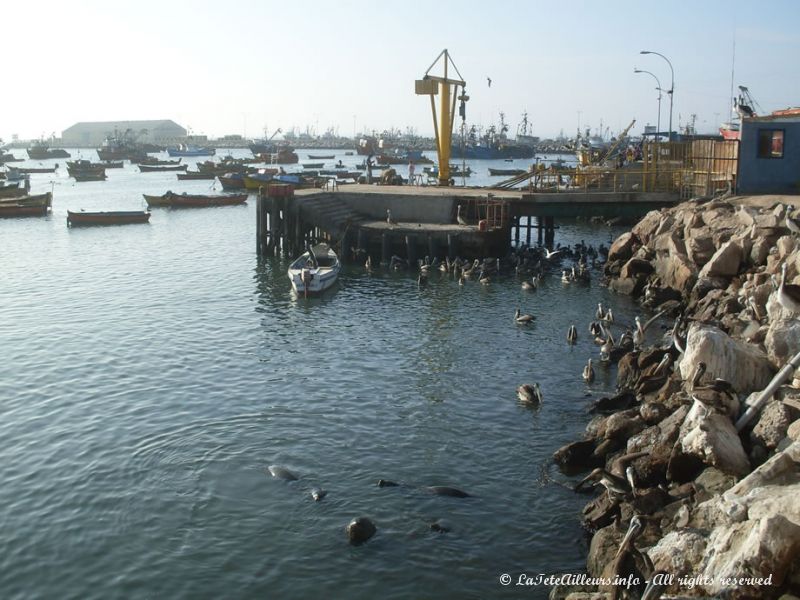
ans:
x=318 y=494
x=282 y=473
x=359 y=530
x=387 y=483
x=443 y=490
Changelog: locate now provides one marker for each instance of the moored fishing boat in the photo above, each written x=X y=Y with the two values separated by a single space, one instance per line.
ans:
x=116 y=217
x=89 y=176
x=26 y=206
x=12 y=190
x=34 y=169
x=172 y=200
x=41 y=151
x=195 y=175
x=313 y=165
x=159 y=169
x=232 y=181
x=321 y=157
x=505 y=172
x=314 y=271
x=152 y=161
x=184 y=150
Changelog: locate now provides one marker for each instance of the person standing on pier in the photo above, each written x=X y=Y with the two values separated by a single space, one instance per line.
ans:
x=369 y=169
x=411 y=169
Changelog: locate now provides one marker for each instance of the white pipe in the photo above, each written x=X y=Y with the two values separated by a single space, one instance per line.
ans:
x=776 y=382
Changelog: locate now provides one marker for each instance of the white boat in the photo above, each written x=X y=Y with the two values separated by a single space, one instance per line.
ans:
x=314 y=271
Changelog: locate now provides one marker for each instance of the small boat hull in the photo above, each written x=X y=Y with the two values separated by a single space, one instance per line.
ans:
x=315 y=271
x=161 y=169
x=170 y=200
x=125 y=217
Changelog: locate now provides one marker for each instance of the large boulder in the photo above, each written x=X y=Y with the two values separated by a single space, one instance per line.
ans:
x=647 y=227
x=773 y=425
x=725 y=261
x=622 y=248
x=712 y=438
x=678 y=552
x=782 y=341
x=700 y=247
x=676 y=271
x=743 y=365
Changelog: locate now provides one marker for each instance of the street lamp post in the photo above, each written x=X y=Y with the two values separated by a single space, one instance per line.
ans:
x=658 y=83
x=671 y=91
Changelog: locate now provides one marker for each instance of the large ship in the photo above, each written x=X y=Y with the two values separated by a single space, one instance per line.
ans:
x=41 y=150
x=492 y=145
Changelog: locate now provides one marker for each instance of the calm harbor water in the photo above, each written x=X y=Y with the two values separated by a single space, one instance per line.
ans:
x=151 y=373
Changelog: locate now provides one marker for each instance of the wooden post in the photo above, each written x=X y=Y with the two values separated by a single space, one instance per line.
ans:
x=432 y=247
x=539 y=230
x=344 y=250
x=386 y=248
x=515 y=225
x=528 y=233
x=452 y=245
x=259 y=226
x=411 y=250
x=550 y=231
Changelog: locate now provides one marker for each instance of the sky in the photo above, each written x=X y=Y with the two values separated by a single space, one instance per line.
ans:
x=246 y=66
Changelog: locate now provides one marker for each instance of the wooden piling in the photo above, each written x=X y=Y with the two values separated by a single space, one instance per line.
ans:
x=433 y=247
x=452 y=246
x=386 y=248
x=411 y=249
x=344 y=247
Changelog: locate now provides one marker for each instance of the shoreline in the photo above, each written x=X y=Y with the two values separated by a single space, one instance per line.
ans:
x=686 y=499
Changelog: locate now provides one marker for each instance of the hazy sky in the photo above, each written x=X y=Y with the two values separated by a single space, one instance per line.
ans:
x=235 y=67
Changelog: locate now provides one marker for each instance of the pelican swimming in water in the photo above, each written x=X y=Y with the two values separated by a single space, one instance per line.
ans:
x=572 y=334
x=368 y=264
x=609 y=317
x=788 y=294
x=529 y=393
x=565 y=276
x=523 y=319
x=588 y=372
x=529 y=285
x=600 y=313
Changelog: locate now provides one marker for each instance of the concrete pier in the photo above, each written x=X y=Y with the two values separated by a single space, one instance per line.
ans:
x=411 y=221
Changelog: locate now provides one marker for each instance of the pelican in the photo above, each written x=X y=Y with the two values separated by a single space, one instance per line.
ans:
x=484 y=278
x=572 y=334
x=595 y=329
x=565 y=276
x=523 y=319
x=699 y=371
x=788 y=295
x=638 y=334
x=588 y=372
x=389 y=217
x=368 y=264
x=548 y=255
x=634 y=530
x=459 y=219
x=422 y=280
x=616 y=486
x=530 y=393
x=461 y=279
x=629 y=476
x=529 y=285
x=791 y=224
x=609 y=317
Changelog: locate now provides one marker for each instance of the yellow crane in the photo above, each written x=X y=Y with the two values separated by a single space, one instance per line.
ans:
x=431 y=85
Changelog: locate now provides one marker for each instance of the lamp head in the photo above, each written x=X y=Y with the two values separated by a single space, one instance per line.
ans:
x=635 y=70
x=645 y=52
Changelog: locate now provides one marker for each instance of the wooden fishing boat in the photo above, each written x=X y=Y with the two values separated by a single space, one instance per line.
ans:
x=26 y=206
x=34 y=169
x=506 y=172
x=195 y=175
x=89 y=176
x=321 y=157
x=12 y=190
x=112 y=164
x=232 y=181
x=155 y=169
x=313 y=165
x=116 y=217
x=184 y=150
x=184 y=200
x=314 y=271
x=155 y=162
x=253 y=181
x=8 y=157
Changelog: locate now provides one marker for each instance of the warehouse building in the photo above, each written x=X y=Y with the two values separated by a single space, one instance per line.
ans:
x=92 y=134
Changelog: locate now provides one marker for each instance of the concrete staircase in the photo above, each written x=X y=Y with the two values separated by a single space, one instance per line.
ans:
x=330 y=213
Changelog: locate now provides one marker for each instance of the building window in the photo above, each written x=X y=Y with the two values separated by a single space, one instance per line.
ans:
x=770 y=143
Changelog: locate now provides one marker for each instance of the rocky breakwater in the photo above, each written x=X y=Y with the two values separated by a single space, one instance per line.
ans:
x=694 y=465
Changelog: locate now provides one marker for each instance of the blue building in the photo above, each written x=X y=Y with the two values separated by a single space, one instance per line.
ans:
x=769 y=154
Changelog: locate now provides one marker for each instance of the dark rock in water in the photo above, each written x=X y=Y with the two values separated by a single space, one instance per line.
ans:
x=577 y=457
x=387 y=483
x=600 y=512
x=443 y=490
x=440 y=526
x=282 y=473
x=360 y=529
x=318 y=494
x=621 y=401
